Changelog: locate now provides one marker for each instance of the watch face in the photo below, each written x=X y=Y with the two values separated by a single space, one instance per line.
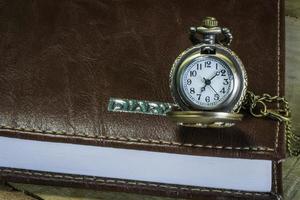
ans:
x=206 y=82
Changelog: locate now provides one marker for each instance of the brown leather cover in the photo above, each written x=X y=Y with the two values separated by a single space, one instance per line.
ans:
x=61 y=60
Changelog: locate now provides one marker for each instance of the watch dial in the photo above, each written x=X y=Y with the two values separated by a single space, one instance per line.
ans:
x=207 y=82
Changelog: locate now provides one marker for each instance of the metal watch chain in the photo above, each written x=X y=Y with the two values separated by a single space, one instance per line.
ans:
x=257 y=107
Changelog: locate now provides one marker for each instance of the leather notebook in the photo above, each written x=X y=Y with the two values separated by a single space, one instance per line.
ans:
x=62 y=60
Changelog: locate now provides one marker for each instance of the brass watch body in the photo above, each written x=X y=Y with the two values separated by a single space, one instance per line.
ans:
x=211 y=47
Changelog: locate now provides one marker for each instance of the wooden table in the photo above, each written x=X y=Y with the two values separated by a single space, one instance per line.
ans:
x=291 y=175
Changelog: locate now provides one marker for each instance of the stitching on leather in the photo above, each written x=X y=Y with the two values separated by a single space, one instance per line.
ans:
x=140 y=140
x=278 y=69
x=103 y=181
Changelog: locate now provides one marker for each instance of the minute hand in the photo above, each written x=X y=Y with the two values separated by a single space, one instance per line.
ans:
x=213 y=89
x=214 y=76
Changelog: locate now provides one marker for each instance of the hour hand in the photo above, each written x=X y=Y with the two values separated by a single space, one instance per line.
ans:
x=202 y=89
x=202 y=79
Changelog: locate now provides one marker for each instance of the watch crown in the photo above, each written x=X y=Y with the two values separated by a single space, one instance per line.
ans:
x=209 y=22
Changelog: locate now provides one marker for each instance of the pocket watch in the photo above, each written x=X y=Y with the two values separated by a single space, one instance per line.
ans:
x=208 y=81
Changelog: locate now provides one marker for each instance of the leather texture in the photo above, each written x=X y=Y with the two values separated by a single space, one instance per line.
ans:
x=61 y=60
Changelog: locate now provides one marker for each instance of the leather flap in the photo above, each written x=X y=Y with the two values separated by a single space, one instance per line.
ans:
x=62 y=60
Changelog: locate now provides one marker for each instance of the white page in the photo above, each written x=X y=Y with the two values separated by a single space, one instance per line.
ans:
x=226 y=173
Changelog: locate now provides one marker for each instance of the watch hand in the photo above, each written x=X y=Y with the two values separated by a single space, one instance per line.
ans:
x=202 y=78
x=206 y=83
x=202 y=89
x=214 y=76
x=213 y=89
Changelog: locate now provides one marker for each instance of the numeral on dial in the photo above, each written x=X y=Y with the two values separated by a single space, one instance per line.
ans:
x=223 y=72
x=216 y=97
x=226 y=82
x=199 y=66
x=207 y=99
x=223 y=90
x=192 y=90
x=207 y=64
x=189 y=81
x=193 y=73
x=199 y=96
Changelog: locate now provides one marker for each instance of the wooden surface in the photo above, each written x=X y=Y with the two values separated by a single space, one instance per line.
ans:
x=9 y=193
x=291 y=174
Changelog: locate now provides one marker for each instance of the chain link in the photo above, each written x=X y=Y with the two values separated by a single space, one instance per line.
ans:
x=257 y=106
